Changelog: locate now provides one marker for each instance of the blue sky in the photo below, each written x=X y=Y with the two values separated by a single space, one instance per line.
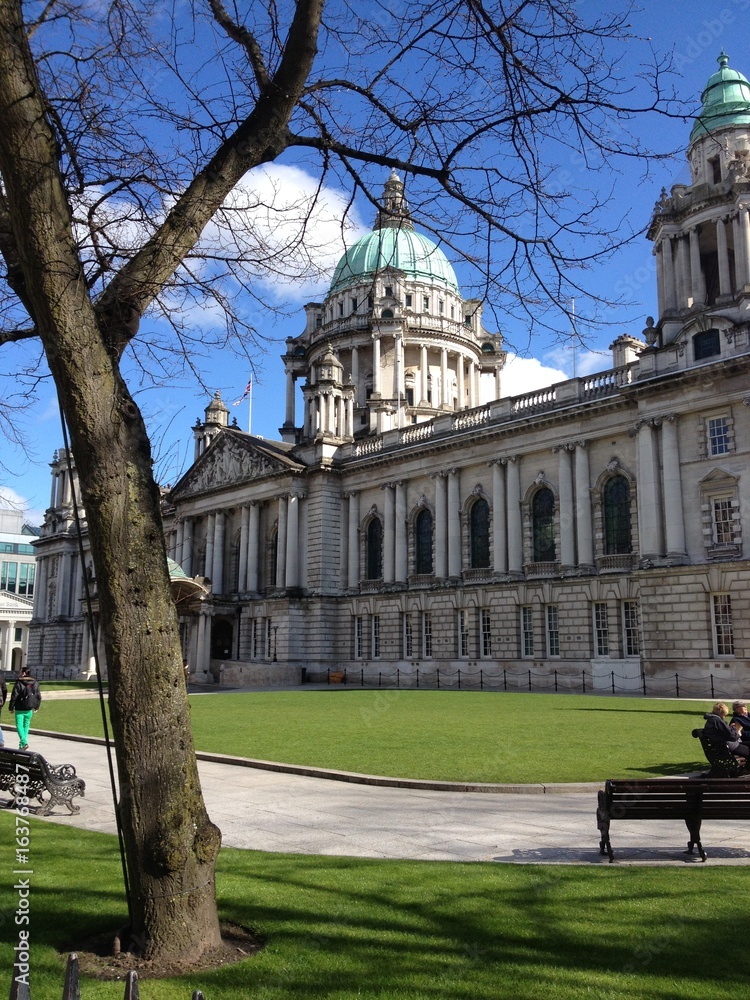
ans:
x=694 y=32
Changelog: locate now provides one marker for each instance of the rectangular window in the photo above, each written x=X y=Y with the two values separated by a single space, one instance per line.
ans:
x=463 y=633
x=427 y=634
x=527 y=631
x=375 y=636
x=389 y=292
x=17 y=634
x=485 y=627
x=723 y=634
x=601 y=629
x=553 y=631
x=408 y=636
x=723 y=520
x=426 y=303
x=441 y=306
x=718 y=436
x=358 y=637
x=8 y=575
x=341 y=308
x=408 y=301
x=26 y=580
x=631 y=624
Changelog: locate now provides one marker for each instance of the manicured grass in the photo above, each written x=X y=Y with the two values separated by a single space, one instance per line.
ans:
x=453 y=736
x=342 y=927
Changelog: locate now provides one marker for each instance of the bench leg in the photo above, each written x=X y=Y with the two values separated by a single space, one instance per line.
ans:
x=602 y=821
x=694 y=829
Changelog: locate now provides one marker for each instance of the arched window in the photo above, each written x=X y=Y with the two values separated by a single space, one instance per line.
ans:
x=423 y=541
x=479 y=528
x=543 y=522
x=374 y=554
x=617 y=535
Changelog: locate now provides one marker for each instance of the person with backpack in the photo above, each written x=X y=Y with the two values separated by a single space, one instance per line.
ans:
x=25 y=699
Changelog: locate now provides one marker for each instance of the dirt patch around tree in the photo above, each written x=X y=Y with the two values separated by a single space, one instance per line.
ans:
x=97 y=958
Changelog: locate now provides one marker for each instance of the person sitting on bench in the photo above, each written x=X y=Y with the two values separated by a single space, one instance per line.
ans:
x=720 y=734
x=741 y=720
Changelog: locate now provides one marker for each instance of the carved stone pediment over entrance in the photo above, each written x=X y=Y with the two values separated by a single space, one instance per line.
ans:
x=233 y=459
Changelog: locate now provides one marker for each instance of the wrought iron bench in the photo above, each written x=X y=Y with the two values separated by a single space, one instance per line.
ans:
x=25 y=773
x=688 y=799
x=723 y=762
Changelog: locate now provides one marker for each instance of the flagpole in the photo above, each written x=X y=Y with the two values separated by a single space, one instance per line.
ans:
x=250 y=408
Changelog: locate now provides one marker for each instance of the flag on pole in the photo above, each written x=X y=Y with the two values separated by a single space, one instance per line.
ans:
x=245 y=394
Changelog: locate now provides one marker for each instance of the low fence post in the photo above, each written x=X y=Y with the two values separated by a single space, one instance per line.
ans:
x=380 y=678
x=344 y=675
x=362 y=677
x=643 y=678
x=328 y=676
x=613 y=681
x=398 y=677
x=459 y=678
x=529 y=680
x=677 y=684
x=555 y=680
x=505 y=680
x=583 y=682
x=481 y=679
x=417 y=676
x=712 y=685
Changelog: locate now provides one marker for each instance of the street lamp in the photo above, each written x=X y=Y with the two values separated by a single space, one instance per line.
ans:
x=275 y=630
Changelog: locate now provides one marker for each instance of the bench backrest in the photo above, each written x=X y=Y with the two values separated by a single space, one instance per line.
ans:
x=720 y=758
x=719 y=798
x=14 y=762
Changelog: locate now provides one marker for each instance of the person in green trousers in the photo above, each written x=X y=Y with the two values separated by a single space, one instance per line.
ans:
x=25 y=699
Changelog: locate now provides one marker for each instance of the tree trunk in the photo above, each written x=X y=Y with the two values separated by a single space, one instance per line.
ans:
x=170 y=842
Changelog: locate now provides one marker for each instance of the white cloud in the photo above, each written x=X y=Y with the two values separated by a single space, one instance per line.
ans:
x=11 y=499
x=522 y=375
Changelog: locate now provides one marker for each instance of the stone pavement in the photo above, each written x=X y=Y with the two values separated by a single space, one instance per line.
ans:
x=272 y=810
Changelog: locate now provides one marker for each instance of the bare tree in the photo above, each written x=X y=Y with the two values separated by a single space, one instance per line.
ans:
x=125 y=132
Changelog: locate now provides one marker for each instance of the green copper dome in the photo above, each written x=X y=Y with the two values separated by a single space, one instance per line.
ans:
x=394 y=243
x=726 y=101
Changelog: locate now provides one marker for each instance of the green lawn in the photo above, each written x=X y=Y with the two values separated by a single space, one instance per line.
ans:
x=341 y=927
x=454 y=736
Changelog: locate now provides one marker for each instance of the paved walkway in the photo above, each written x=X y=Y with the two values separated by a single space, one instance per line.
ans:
x=271 y=810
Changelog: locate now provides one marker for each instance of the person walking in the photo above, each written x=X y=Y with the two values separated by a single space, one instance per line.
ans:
x=3 y=699
x=25 y=699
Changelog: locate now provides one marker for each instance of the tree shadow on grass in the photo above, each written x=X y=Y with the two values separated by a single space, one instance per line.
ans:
x=671 y=769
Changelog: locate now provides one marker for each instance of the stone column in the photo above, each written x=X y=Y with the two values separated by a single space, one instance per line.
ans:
x=472 y=384
x=461 y=386
x=670 y=295
x=187 y=546
x=244 y=528
x=444 y=389
x=353 y=566
x=498 y=381
x=441 y=533
x=424 y=373
x=253 y=546
x=739 y=257
x=515 y=523
x=725 y=282
x=697 y=284
x=349 y=419
x=208 y=561
x=683 y=266
x=584 y=517
x=355 y=376
x=398 y=367
x=672 y=486
x=176 y=542
x=217 y=575
x=567 y=518
x=292 y=540
x=402 y=551
x=499 y=518
x=53 y=491
x=649 y=505
x=376 y=364
x=745 y=239
x=454 y=524
x=289 y=401
x=281 y=544
x=389 y=533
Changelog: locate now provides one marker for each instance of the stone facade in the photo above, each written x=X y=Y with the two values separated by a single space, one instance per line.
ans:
x=412 y=519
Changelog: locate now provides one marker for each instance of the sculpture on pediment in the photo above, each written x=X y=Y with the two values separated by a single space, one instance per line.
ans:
x=223 y=466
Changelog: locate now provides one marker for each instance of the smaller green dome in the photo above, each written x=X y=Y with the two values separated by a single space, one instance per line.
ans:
x=726 y=101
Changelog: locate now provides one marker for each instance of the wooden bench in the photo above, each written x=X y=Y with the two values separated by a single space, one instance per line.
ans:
x=25 y=773
x=723 y=762
x=688 y=799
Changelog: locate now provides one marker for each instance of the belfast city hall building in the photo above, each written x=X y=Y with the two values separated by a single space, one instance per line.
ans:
x=412 y=522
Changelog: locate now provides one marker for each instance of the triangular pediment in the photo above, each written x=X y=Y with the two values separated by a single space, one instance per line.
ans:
x=718 y=476
x=12 y=603
x=234 y=458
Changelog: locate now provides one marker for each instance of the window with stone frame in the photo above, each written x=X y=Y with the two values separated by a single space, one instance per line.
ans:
x=423 y=542
x=719 y=437
x=553 y=630
x=706 y=344
x=617 y=516
x=427 y=634
x=407 y=636
x=722 y=625
x=631 y=628
x=543 y=525
x=720 y=515
x=358 y=637
x=462 y=633
x=375 y=636
x=479 y=534
x=485 y=632
x=527 y=631
x=374 y=550
x=601 y=629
